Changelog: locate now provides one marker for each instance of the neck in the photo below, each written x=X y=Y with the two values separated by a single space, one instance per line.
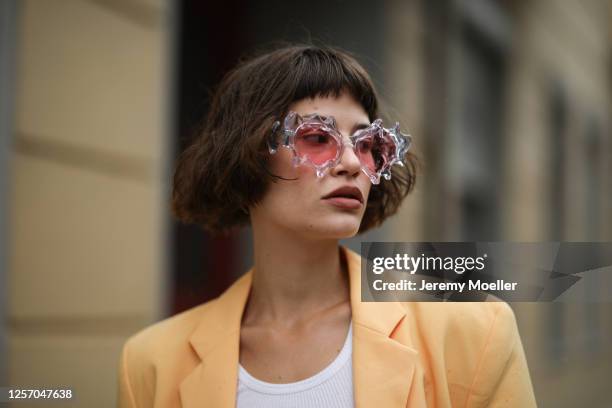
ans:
x=294 y=277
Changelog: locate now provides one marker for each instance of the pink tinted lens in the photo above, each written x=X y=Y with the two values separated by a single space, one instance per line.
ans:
x=316 y=143
x=375 y=150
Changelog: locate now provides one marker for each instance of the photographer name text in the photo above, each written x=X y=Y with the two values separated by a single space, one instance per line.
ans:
x=408 y=285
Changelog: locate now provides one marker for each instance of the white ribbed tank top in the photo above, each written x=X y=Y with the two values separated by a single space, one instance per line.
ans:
x=331 y=387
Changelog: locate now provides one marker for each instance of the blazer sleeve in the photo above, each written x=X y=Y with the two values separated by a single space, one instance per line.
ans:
x=502 y=377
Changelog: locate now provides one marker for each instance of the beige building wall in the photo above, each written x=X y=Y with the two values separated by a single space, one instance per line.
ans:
x=87 y=202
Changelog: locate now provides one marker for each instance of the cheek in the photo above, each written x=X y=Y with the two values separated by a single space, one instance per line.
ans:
x=366 y=185
x=280 y=164
x=295 y=191
x=292 y=203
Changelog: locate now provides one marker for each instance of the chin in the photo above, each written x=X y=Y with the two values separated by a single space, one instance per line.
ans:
x=340 y=229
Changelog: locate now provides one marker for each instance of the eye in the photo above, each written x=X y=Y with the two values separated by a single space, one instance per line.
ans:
x=316 y=138
x=365 y=145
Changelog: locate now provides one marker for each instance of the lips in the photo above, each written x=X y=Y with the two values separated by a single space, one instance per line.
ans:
x=347 y=192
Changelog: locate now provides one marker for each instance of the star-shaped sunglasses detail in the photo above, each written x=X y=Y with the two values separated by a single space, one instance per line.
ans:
x=315 y=141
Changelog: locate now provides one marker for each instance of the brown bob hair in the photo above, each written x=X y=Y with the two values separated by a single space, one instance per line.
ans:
x=224 y=170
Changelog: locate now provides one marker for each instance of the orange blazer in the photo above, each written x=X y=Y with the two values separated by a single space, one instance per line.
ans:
x=405 y=354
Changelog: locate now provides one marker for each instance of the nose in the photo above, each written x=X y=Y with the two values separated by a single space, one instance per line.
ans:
x=349 y=162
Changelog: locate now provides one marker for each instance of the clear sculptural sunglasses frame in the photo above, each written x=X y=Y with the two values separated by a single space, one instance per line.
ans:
x=315 y=141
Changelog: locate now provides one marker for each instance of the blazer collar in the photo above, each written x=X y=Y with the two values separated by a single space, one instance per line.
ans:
x=383 y=368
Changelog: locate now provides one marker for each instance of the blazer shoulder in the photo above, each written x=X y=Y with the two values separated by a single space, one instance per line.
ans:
x=475 y=345
x=157 y=353
x=456 y=317
x=469 y=327
x=160 y=343
x=176 y=328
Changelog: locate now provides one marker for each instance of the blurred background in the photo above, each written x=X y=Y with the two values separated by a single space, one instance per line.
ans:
x=508 y=102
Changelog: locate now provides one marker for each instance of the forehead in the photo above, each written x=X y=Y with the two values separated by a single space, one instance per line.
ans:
x=344 y=109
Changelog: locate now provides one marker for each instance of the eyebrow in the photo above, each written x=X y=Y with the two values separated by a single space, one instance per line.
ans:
x=359 y=126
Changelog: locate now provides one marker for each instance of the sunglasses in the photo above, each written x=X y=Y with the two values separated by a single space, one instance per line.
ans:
x=315 y=141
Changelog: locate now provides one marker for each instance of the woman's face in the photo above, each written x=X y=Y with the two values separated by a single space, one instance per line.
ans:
x=299 y=205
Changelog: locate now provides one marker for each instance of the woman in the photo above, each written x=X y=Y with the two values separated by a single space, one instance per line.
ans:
x=291 y=146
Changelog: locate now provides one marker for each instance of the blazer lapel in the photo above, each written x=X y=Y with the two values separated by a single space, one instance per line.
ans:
x=216 y=340
x=383 y=368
